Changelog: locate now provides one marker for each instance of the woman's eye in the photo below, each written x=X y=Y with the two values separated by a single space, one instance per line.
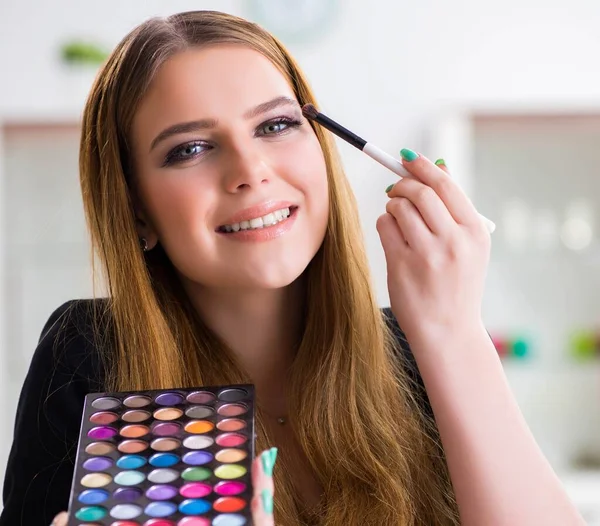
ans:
x=275 y=127
x=278 y=126
x=185 y=152
x=189 y=150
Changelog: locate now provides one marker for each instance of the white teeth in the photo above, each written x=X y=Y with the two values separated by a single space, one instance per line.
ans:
x=271 y=218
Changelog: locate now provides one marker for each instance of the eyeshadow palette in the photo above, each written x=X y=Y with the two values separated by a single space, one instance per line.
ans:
x=178 y=457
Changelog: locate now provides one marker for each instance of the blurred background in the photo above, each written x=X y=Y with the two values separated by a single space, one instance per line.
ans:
x=508 y=93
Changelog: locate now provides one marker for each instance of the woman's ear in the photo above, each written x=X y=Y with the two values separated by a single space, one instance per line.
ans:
x=146 y=232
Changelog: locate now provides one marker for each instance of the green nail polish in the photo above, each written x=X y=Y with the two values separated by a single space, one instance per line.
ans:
x=267 y=462
x=273 y=455
x=267 y=501
x=440 y=162
x=389 y=188
x=408 y=155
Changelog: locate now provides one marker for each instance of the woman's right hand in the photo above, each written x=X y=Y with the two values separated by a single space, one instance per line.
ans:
x=262 y=501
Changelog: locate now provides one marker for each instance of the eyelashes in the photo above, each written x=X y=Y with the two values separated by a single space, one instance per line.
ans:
x=193 y=149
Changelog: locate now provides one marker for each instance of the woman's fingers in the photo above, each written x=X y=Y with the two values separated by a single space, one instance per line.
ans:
x=436 y=177
x=410 y=222
x=61 y=519
x=262 y=480
x=432 y=209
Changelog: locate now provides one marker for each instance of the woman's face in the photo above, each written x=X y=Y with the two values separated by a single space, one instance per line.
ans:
x=230 y=177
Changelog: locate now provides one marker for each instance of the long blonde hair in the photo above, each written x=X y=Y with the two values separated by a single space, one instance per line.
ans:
x=371 y=448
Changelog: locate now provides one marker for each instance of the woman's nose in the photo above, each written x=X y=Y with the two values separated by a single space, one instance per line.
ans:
x=247 y=169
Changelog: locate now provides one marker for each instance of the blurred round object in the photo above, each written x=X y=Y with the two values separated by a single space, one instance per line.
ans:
x=501 y=344
x=583 y=344
x=520 y=347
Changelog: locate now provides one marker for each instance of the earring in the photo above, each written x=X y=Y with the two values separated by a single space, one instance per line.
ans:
x=144 y=244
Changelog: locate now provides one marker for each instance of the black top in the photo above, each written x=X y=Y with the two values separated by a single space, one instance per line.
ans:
x=66 y=366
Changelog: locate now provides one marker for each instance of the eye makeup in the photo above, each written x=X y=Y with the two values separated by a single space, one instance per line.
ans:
x=194 y=149
x=178 y=457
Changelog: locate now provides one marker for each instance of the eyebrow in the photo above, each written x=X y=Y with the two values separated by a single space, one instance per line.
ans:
x=206 y=124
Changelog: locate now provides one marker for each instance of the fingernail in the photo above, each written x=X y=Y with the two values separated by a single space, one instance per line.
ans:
x=408 y=155
x=268 y=461
x=267 y=501
x=389 y=188
x=440 y=162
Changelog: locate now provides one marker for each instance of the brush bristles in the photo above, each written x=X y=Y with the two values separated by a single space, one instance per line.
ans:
x=309 y=111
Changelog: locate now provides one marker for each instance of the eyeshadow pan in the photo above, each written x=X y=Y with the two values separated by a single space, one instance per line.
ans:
x=106 y=403
x=102 y=432
x=161 y=492
x=134 y=431
x=169 y=399
x=229 y=519
x=195 y=490
x=96 y=480
x=136 y=416
x=230 y=487
x=230 y=471
x=103 y=418
x=125 y=511
x=199 y=427
x=165 y=444
x=129 y=478
x=172 y=457
x=163 y=460
x=197 y=458
x=232 y=409
x=201 y=397
x=127 y=494
x=194 y=506
x=196 y=474
x=93 y=496
x=229 y=456
x=198 y=442
x=137 y=401
x=97 y=464
x=198 y=411
x=231 y=440
x=90 y=513
x=193 y=521
x=232 y=395
x=131 y=462
x=229 y=504
x=164 y=476
x=168 y=413
x=166 y=429
x=132 y=446
x=99 y=448
x=160 y=509
x=231 y=424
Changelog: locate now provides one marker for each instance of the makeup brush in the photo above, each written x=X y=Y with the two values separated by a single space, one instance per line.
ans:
x=383 y=158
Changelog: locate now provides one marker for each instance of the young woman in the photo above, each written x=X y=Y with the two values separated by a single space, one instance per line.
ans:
x=231 y=248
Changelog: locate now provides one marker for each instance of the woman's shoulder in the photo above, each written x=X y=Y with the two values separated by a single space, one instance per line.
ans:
x=73 y=340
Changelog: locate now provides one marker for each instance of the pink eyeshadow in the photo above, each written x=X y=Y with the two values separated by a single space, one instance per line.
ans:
x=231 y=440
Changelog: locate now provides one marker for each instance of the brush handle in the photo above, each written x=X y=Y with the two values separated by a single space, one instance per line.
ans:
x=398 y=168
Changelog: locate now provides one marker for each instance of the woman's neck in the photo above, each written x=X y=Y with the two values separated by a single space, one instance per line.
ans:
x=261 y=327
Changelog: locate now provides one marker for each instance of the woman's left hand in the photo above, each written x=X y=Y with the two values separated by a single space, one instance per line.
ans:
x=437 y=250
